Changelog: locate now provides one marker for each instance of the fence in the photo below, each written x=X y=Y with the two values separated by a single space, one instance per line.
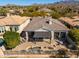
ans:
x=23 y=52
x=41 y=53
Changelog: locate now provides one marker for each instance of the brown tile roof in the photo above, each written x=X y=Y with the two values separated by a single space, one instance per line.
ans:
x=72 y=21
x=12 y=20
x=39 y=22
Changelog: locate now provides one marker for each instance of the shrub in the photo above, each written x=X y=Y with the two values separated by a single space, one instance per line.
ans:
x=55 y=15
x=12 y=39
x=74 y=35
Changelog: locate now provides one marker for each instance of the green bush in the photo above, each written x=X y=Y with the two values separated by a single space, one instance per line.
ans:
x=3 y=12
x=34 y=14
x=74 y=35
x=55 y=15
x=12 y=39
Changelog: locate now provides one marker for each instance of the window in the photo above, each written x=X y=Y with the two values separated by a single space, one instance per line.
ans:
x=14 y=28
x=10 y=28
x=56 y=35
x=2 y=30
x=77 y=26
x=63 y=34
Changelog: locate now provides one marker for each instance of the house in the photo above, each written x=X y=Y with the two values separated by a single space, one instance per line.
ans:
x=45 y=10
x=72 y=22
x=12 y=23
x=42 y=28
x=33 y=28
x=16 y=11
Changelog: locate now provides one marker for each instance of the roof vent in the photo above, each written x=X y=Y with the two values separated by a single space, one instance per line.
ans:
x=30 y=19
x=49 y=22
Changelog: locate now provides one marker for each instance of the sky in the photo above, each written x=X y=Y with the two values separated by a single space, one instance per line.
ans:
x=27 y=2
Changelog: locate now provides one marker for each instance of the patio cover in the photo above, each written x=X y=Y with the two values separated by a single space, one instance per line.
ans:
x=42 y=35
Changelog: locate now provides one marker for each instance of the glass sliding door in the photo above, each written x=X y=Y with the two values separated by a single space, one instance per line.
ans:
x=56 y=35
x=63 y=35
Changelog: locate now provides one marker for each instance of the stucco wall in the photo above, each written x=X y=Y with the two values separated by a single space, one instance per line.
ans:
x=22 y=26
x=7 y=28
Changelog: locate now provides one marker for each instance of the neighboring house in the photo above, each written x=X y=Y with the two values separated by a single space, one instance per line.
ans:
x=41 y=28
x=71 y=22
x=45 y=10
x=16 y=12
x=13 y=23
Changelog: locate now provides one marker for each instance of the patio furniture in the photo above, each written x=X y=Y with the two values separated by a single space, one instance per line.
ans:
x=60 y=42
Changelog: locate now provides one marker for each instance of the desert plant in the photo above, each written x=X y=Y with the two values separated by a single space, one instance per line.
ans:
x=12 y=39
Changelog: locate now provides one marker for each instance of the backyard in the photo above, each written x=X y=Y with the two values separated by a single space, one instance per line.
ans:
x=40 y=49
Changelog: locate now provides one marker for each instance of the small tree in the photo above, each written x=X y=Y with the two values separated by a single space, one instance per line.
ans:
x=55 y=15
x=12 y=39
x=3 y=12
x=74 y=35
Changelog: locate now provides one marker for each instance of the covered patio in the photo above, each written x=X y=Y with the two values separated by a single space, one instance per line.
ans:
x=38 y=36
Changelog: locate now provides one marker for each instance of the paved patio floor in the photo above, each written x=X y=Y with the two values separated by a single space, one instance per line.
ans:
x=44 y=45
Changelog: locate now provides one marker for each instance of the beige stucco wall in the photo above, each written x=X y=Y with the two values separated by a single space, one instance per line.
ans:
x=7 y=28
x=22 y=26
x=29 y=56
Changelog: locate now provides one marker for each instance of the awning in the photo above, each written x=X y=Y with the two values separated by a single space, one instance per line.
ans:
x=42 y=35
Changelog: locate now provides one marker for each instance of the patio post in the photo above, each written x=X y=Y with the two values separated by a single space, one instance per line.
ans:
x=59 y=35
x=66 y=33
x=52 y=35
x=26 y=35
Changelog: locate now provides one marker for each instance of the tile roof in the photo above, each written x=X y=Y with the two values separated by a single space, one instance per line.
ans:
x=40 y=22
x=73 y=22
x=12 y=20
